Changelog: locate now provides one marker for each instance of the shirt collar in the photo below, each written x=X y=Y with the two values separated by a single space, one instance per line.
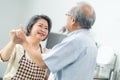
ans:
x=86 y=31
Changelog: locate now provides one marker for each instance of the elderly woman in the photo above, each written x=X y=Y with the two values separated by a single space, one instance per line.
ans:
x=20 y=64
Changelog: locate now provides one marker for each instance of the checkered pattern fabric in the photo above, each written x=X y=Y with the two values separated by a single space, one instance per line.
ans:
x=29 y=71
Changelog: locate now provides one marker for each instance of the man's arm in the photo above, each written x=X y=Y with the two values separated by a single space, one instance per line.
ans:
x=35 y=55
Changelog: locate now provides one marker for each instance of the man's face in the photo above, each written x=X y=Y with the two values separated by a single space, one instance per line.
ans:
x=70 y=21
x=68 y=25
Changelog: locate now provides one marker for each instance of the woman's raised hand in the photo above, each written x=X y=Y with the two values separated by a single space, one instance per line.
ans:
x=18 y=36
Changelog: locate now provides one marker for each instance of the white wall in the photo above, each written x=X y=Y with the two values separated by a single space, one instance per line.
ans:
x=12 y=13
x=105 y=30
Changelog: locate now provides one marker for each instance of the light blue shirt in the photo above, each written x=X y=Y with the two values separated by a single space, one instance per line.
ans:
x=74 y=58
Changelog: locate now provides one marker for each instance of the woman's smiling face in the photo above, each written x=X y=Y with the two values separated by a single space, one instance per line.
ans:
x=40 y=29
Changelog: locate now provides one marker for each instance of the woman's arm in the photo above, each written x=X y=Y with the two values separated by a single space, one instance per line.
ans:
x=15 y=38
x=8 y=49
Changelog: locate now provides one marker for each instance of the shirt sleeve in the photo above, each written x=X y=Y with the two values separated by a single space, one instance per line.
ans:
x=61 y=55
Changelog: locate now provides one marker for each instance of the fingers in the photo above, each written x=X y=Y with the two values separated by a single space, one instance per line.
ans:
x=12 y=33
x=18 y=34
x=22 y=29
x=0 y=51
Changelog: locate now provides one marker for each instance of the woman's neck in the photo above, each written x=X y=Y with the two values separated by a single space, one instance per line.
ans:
x=34 y=43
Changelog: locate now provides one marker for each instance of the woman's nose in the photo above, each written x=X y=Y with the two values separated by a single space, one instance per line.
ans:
x=43 y=29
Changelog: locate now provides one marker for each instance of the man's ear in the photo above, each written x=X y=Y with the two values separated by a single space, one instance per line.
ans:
x=74 y=22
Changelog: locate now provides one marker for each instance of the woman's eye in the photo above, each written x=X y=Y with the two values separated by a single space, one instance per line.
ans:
x=46 y=28
x=40 y=25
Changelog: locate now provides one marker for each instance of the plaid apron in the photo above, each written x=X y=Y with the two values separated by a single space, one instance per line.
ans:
x=29 y=71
